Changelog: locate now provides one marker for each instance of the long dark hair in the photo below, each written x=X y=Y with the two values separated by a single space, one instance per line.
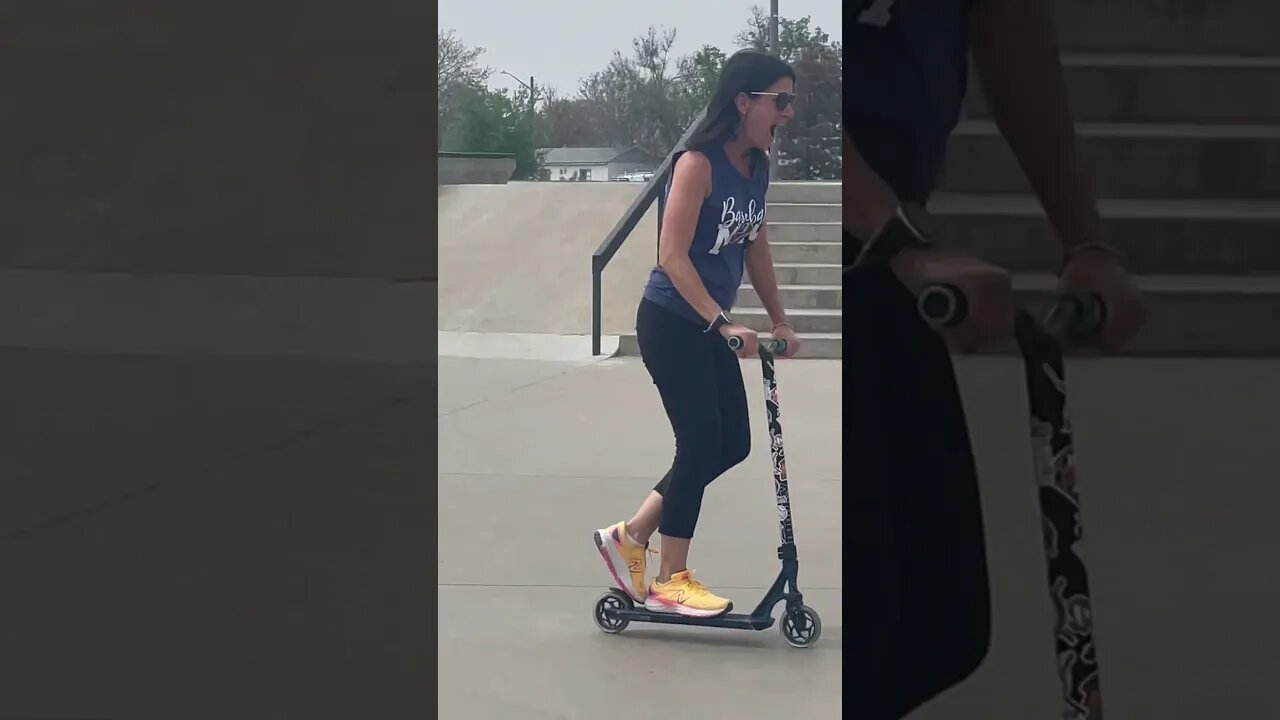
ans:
x=746 y=71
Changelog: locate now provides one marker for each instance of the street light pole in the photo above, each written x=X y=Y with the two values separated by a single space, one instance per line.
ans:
x=773 y=48
x=533 y=89
x=773 y=26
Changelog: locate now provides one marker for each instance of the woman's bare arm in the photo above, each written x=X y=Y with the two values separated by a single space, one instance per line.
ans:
x=690 y=185
x=1016 y=53
x=763 y=279
x=868 y=201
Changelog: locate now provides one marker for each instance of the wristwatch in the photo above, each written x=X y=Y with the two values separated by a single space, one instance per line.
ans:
x=910 y=227
x=720 y=321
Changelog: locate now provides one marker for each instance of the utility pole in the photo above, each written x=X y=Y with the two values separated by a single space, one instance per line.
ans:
x=773 y=48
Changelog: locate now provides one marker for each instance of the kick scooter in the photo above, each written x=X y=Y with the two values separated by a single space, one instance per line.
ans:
x=800 y=625
x=1072 y=320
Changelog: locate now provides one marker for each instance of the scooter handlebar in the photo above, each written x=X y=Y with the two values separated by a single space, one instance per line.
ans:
x=1078 y=317
x=772 y=345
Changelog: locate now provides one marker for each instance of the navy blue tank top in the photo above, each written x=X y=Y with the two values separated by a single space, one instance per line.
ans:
x=905 y=78
x=729 y=220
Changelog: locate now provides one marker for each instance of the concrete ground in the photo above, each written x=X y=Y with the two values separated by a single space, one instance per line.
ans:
x=533 y=457
x=1175 y=461
x=214 y=496
x=209 y=537
x=1178 y=506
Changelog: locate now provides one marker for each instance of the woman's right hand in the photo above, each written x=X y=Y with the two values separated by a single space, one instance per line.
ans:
x=747 y=335
x=987 y=289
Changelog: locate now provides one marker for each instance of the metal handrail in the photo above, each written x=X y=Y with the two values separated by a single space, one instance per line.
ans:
x=603 y=254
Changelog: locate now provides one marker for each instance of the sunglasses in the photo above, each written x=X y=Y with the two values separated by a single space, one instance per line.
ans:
x=781 y=100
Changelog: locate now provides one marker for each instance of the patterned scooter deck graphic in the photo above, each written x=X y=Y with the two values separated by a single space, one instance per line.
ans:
x=1053 y=453
x=773 y=415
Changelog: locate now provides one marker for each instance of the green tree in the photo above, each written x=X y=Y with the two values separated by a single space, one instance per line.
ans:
x=698 y=75
x=649 y=97
x=809 y=147
x=628 y=98
x=658 y=94
x=570 y=122
x=494 y=121
x=458 y=70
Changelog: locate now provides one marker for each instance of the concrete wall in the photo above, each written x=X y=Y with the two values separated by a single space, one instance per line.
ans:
x=1203 y=27
x=517 y=257
x=475 y=168
x=228 y=137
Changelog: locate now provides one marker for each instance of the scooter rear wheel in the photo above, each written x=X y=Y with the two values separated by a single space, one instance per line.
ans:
x=801 y=626
x=606 y=607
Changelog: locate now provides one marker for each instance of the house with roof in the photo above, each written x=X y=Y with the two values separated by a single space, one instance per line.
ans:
x=583 y=164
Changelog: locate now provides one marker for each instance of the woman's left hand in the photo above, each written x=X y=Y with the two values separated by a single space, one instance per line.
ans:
x=1101 y=273
x=786 y=332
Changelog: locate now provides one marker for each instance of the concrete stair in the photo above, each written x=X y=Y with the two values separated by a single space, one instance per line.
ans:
x=1161 y=237
x=804 y=236
x=1193 y=315
x=1179 y=122
x=1188 y=89
x=1206 y=316
x=1190 y=27
x=1134 y=160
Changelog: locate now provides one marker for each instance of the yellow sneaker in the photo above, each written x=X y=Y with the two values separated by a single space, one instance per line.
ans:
x=627 y=562
x=685 y=596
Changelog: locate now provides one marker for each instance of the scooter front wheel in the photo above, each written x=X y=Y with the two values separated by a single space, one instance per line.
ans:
x=801 y=627
x=606 y=611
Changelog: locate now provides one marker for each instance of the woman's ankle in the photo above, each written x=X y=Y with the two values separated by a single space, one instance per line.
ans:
x=639 y=538
x=665 y=573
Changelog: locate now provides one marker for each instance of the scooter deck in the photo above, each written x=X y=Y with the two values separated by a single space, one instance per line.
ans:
x=733 y=621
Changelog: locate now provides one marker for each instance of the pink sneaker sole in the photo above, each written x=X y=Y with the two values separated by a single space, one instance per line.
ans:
x=656 y=604
x=614 y=562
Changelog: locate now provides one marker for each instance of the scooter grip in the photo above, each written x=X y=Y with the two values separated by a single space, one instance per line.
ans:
x=942 y=305
x=1078 y=318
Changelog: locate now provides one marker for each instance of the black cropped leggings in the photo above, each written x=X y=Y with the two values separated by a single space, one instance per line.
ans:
x=700 y=382
x=921 y=616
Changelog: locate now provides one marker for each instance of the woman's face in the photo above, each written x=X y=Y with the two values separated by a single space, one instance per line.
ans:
x=765 y=111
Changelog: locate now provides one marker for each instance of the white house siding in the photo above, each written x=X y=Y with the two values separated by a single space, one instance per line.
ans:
x=568 y=172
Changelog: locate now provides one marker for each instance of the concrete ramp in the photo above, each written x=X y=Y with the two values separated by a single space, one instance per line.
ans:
x=516 y=258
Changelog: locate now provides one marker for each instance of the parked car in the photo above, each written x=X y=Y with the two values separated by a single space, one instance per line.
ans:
x=642 y=176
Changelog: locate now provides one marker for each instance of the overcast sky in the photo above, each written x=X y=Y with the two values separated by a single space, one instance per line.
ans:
x=560 y=41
